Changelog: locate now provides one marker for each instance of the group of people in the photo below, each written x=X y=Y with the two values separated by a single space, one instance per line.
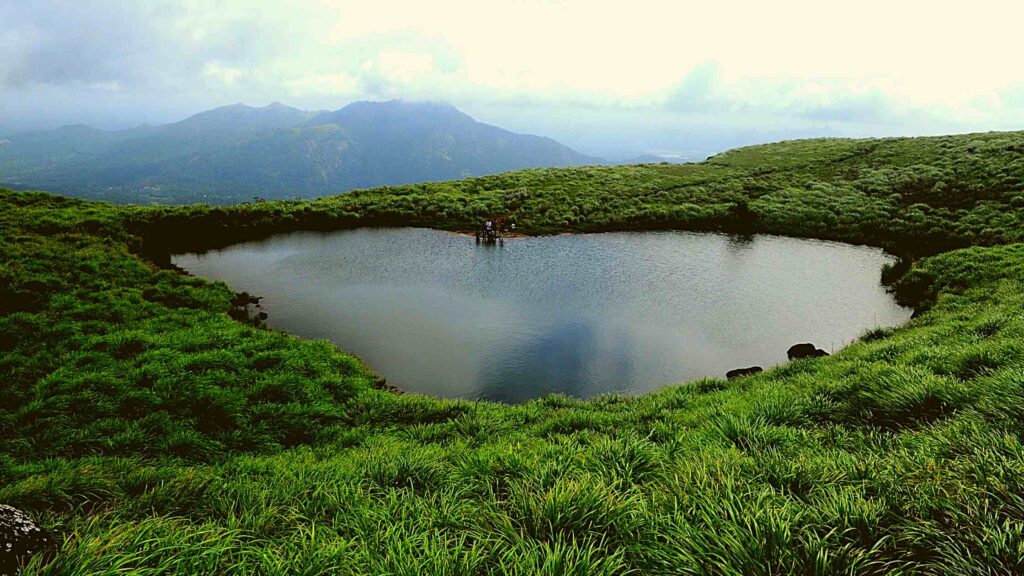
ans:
x=493 y=231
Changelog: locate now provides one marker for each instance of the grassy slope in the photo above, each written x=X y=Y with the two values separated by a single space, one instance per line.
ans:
x=157 y=435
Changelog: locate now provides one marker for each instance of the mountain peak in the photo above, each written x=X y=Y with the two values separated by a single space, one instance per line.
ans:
x=397 y=104
x=236 y=116
x=78 y=128
x=378 y=113
x=277 y=151
x=404 y=103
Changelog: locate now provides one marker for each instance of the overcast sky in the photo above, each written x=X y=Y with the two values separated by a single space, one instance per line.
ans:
x=600 y=76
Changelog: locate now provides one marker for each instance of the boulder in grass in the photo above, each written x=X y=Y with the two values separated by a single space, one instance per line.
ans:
x=741 y=372
x=801 y=351
x=20 y=538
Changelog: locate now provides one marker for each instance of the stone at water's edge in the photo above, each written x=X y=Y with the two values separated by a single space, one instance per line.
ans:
x=20 y=538
x=740 y=372
x=806 y=350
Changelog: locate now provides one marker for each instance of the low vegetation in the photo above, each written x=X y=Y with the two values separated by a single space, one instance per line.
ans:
x=155 y=433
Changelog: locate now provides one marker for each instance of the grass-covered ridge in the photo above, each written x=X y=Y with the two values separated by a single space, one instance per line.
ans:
x=157 y=435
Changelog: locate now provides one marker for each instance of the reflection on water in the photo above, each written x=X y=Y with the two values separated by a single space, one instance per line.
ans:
x=581 y=315
x=572 y=353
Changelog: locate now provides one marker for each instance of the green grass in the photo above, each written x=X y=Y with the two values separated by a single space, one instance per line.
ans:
x=156 y=435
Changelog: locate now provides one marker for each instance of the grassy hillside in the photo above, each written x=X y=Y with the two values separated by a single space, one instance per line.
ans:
x=157 y=429
x=921 y=195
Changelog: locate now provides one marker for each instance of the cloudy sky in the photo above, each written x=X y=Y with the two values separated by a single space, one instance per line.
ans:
x=605 y=77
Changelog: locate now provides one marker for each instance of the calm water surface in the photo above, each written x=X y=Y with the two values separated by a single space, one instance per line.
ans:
x=582 y=315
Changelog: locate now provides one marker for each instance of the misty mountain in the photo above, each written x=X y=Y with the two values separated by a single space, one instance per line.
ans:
x=238 y=152
x=656 y=159
x=242 y=117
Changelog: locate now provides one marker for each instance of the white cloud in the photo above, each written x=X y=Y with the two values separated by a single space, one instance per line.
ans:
x=226 y=75
x=405 y=66
x=112 y=86
x=339 y=84
x=912 y=63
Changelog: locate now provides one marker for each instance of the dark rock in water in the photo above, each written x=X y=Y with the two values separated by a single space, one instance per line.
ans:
x=247 y=309
x=800 y=351
x=20 y=538
x=741 y=372
x=382 y=384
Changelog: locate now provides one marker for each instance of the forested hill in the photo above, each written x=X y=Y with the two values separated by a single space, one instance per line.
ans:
x=153 y=426
x=236 y=153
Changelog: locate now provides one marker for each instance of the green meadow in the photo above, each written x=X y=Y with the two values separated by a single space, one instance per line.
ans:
x=155 y=427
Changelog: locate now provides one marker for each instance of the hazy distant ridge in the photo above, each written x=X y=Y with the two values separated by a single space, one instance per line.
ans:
x=238 y=152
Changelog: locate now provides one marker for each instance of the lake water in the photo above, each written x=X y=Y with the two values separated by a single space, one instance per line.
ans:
x=583 y=315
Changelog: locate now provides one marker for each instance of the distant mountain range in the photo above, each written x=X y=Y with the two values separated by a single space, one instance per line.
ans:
x=658 y=159
x=235 y=153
